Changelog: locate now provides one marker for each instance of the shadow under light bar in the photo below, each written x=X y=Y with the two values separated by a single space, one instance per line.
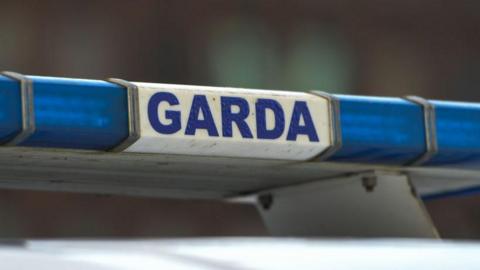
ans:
x=95 y=115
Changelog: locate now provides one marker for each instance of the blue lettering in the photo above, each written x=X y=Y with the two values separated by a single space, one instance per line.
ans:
x=261 y=106
x=234 y=110
x=200 y=104
x=300 y=110
x=174 y=116
x=228 y=117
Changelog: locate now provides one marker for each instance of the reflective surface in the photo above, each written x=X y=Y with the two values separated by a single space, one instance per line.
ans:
x=380 y=130
x=458 y=133
x=10 y=109
x=93 y=114
x=81 y=114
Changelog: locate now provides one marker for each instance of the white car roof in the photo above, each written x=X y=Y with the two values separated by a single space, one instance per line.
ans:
x=240 y=253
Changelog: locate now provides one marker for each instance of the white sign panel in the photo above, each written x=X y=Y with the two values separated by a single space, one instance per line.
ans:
x=231 y=122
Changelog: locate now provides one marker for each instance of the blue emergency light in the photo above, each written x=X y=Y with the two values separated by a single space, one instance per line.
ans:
x=380 y=130
x=68 y=113
x=458 y=134
x=10 y=109
x=95 y=115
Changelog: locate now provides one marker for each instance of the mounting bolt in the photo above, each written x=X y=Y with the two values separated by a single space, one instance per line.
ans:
x=369 y=182
x=266 y=201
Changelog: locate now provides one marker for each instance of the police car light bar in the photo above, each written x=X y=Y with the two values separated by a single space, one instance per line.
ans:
x=241 y=123
x=299 y=154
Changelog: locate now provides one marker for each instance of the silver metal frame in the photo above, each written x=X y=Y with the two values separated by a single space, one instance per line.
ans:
x=430 y=129
x=335 y=128
x=28 y=113
x=347 y=206
x=133 y=114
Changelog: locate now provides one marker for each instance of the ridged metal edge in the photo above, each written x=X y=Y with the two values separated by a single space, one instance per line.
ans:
x=28 y=113
x=334 y=121
x=429 y=120
x=133 y=114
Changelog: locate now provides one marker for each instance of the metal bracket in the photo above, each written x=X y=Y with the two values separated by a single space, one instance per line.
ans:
x=28 y=113
x=334 y=121
x=370 y=204
x=133 y=114
x=430 y=130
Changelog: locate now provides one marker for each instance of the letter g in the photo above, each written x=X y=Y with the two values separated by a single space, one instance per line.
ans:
x=153 y=106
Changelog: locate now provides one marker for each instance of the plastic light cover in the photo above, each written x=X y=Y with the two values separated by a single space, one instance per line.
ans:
x=458 y=133
x=79 y=114
x=380 y=130
x=10 y=109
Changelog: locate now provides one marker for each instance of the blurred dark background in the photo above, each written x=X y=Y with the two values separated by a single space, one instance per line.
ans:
x=373 y=47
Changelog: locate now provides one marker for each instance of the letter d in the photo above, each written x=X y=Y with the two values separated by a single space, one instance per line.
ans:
x=261 y=106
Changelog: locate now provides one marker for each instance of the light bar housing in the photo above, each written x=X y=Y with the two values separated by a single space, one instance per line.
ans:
x=68 y=113
x=95 y=115
x=458 y=134
x=380 y=130
x=10 y=109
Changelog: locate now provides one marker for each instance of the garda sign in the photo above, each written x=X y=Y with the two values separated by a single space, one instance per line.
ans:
x=231 y=122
